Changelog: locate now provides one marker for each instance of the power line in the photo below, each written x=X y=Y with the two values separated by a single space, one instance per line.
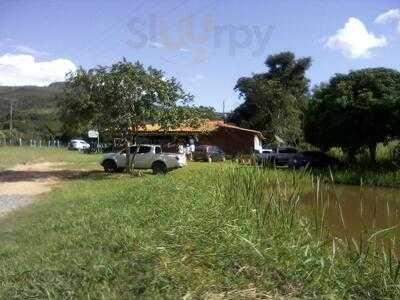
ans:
x=11 y=114
x=107 y=33
x=149 y=9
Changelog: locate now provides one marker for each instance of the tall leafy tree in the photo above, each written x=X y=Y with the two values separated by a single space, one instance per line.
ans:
x=274 y=101
x=355 y=110
x=120 y=99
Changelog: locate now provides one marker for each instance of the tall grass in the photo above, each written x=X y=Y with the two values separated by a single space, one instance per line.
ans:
x=268 y=204
x=205 y=231
x=383 y=173
x=356 y=175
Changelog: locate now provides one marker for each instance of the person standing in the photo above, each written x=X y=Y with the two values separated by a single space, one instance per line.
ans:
x=181 y=149
x=192 y=144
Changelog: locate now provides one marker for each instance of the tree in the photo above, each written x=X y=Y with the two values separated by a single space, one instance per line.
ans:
x=120 y=99
x=208 y=112
x=360 y=109
x=274 y=102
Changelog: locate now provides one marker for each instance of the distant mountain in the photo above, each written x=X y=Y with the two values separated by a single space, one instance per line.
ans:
x=35 y=109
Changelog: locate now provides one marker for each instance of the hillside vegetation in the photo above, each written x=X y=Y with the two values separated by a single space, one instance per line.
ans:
x=35 y=110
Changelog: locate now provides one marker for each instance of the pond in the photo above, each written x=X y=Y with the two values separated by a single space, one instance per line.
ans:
x=351 y=210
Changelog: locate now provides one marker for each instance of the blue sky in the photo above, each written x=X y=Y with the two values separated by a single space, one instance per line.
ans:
x=40 y=40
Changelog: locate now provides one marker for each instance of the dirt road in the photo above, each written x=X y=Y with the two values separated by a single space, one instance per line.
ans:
x=20 y=185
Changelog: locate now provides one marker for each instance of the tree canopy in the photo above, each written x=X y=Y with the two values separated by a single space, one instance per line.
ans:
x=274 y=101
x=355 y=110
x=119 y=99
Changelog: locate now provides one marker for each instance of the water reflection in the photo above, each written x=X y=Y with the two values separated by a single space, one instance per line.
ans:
x=353 y=209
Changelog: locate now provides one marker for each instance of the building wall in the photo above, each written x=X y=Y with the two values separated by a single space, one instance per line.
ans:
x=231 y=140
x=257 y=143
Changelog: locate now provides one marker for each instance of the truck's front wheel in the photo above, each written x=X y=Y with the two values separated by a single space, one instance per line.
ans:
x=159 y=168
x=109 y=166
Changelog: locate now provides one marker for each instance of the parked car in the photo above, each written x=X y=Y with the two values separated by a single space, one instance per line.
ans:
x=208 y=153
x=261 y=154
x=79 y=145
x=145 y=157
x=396 y=156
x=279 y=156
x=314 y=159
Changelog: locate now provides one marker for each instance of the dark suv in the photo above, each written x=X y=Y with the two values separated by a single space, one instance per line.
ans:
x=208 y=153
x=314 y=159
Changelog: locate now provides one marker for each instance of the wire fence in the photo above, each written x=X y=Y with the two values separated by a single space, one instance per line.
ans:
x=33 y=143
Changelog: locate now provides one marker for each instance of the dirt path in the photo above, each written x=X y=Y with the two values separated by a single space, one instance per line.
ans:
x=20 y=185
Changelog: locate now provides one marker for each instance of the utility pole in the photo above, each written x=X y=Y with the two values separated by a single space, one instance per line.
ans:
x=11 y=120
x=223 y=108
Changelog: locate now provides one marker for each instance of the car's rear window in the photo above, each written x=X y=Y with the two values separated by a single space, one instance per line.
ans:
x=132 y=150
x=288 y=150
x=201 y=148
x=213 y=149
x=144 y=149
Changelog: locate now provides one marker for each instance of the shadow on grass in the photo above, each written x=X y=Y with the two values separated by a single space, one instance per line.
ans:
x=16 y=176
x=12 y=176
x=101 y=175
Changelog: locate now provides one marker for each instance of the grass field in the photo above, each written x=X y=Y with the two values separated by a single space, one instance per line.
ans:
x=11 y=156
x=208 y=230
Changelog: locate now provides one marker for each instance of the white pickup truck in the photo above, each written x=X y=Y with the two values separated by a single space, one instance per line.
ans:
x=145 y=157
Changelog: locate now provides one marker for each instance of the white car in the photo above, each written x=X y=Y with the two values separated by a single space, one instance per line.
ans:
x=262 y=153
x=79 y=145
x=145 y=157
x=279 y=156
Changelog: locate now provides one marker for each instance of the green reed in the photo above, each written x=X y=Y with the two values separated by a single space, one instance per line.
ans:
x=269 y=203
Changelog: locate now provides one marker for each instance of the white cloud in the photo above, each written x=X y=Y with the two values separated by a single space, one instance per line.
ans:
x=8 y=45
x=29 y=50
x=23 y=69
x=354 y=40
x=393 y=14
x=196 y=78
x=390 y=15
x=156 y=45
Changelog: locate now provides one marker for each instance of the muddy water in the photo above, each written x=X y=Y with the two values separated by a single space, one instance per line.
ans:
x=350 y=210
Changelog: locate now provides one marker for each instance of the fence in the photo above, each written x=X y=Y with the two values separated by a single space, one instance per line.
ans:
x=32 y=143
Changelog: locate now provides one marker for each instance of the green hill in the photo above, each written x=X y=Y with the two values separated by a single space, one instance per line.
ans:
x=35 y=110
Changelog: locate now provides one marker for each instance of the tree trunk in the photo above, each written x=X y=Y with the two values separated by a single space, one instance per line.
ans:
x=372 y=153
x=130 y=158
